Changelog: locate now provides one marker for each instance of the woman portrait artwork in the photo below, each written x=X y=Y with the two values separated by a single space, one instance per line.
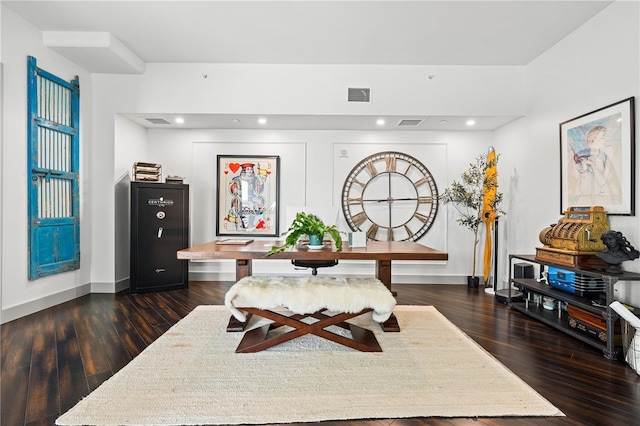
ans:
x=595 y=163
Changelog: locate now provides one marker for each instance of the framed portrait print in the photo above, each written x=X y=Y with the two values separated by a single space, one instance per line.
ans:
x=247 y=193
x=597 y=159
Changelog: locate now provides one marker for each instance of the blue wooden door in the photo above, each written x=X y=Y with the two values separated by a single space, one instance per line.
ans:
x=53 y=165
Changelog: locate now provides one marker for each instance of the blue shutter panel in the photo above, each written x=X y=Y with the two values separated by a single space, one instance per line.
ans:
x=53 y=164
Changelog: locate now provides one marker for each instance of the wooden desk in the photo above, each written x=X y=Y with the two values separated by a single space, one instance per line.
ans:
x=383 y=252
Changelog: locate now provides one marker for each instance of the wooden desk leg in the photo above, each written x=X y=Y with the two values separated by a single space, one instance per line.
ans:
x=383 y=273
x=243 y=269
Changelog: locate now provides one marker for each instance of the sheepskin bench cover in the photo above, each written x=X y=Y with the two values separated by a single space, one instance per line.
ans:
x=309 y=296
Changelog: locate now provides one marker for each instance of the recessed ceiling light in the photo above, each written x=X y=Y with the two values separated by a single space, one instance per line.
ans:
x=179 y=120
x=380 y=122
x=471 y=122
x=262 y=120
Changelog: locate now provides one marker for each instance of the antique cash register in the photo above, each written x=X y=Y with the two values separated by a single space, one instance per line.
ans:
x=575 y=239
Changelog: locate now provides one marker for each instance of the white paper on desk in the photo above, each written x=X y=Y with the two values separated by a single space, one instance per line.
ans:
x=633 y=320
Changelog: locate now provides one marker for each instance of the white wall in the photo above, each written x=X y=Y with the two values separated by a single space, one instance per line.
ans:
x=287 y=89
x=313 y=175
x=132 y=147
x=19 y=295
x=316 y=89
x=595 y=66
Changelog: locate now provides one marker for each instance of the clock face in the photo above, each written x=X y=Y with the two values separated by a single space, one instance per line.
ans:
x=391 y=196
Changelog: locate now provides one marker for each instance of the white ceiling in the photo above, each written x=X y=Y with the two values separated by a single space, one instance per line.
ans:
x=307 y=32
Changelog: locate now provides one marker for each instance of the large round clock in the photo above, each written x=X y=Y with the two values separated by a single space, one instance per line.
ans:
x=391 y=196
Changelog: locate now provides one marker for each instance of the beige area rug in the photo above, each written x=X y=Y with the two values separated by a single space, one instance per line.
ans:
x=191 y=375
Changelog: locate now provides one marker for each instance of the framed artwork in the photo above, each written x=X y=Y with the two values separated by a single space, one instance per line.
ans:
x=248 y=195
x=597 y=160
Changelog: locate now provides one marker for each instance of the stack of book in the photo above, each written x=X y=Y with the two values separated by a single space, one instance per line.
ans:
x=174 y=179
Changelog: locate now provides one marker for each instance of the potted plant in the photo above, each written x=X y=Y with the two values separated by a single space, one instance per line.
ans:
x=311 y=226
x=468 y=197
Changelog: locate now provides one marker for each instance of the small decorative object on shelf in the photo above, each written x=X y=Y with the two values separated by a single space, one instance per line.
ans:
x=146 y=172
x=618 y=250
x=575 y=240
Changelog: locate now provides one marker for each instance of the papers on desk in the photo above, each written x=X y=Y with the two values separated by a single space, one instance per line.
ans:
x=235 y=241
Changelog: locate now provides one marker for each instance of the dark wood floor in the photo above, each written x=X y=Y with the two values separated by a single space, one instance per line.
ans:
x=53 y=358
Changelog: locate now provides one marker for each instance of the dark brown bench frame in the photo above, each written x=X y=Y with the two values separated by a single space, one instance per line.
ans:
x=257 y=339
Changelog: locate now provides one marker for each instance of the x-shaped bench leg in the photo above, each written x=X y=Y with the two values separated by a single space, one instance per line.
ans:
x=257 y=340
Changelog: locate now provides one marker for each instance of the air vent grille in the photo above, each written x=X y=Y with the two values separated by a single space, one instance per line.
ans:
x=410 y=123
x=359 y=94
x=157 y=121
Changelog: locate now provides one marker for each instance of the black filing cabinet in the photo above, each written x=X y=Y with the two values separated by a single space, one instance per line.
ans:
x=159 y=228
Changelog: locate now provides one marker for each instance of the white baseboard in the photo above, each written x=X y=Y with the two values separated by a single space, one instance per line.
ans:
x=37 y=305
x=110 y=287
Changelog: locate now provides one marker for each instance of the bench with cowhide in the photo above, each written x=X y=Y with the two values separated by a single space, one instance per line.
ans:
x=331 y=301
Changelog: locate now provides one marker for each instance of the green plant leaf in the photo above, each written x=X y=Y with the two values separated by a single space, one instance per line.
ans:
x=467 y=196
x=306 y=225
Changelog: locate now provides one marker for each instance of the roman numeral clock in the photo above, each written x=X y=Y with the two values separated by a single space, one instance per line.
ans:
x=390 y=196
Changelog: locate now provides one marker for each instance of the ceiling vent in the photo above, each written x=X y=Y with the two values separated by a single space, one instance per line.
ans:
x=359 y=94
x=157 y=121
x=410 y=123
